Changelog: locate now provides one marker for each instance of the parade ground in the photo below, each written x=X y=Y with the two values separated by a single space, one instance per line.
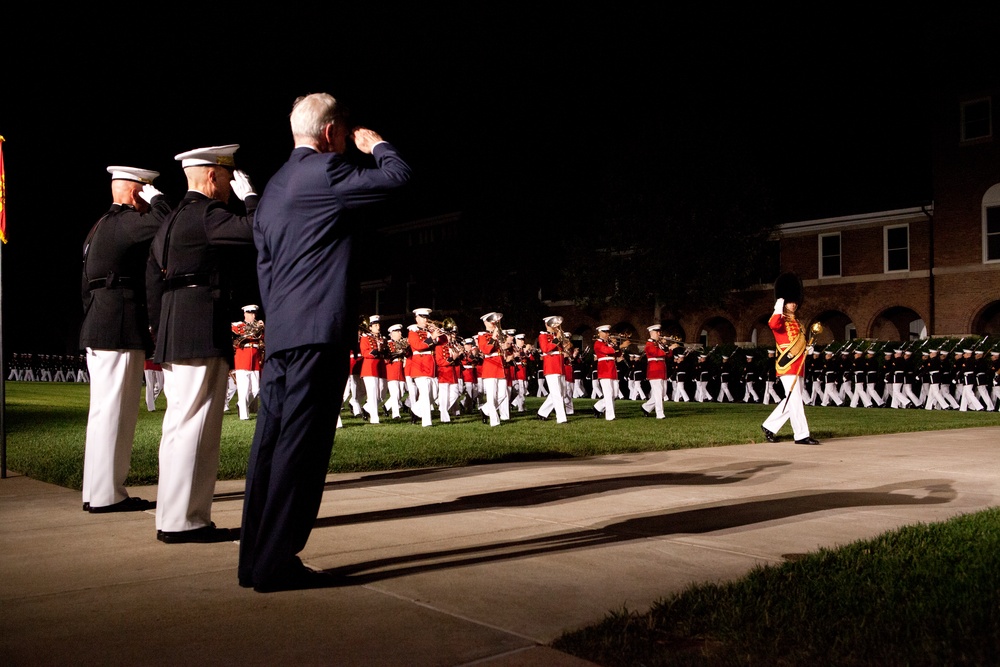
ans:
x=479 y=565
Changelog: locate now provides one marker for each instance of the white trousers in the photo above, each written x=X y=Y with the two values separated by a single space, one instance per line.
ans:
x=607 y=402
x=554 y=400
x=657 y=389
x=790 y=408
x=189 y=446
x=373 y=397
x=497 y=405
x=116 y=380
x=423 y=387
x=447 y=396
x=247 y=389
x=393 y=404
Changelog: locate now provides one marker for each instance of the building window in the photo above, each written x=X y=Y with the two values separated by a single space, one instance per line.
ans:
x=977 y=120
x=991 y=242
x=897 y=248
x=829 y=255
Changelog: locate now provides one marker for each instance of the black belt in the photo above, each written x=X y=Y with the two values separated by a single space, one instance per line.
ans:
x=187 y=280
x=118 y=282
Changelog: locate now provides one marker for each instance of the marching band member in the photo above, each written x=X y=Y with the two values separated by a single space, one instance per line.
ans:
x=606 y=355
x=352 y=389
x=471 y=361
x=395 y=379
x=550 y=344
x=790 y=366
x=248 y=359
x=657 y=355
x=372 y=367
x=491 y=344
x=572 y=373
x=448 y=363
x=422 y=341
x=520 y=372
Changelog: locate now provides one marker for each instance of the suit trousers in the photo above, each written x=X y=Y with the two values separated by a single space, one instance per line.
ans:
x=300 y=401
x=189 y=447
x=115 y=381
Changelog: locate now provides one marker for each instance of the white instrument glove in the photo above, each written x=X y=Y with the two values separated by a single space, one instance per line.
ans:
x=241 y=185
x=779 y=306
x=148 y=192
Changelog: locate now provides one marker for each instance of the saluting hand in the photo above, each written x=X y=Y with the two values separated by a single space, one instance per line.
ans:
x=365 y=139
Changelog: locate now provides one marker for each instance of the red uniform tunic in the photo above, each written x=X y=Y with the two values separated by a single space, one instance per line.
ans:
x=552 y=357
x=604 y=355
x=247 y=355
x=447 y=372
x=372 y=364
x=656 y=361
x=394 y=364
x=493 y=366
x=422 y=346
x=791 y=345
x=470 y=369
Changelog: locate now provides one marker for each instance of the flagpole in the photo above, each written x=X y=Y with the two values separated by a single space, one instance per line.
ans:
x=3 y=379
x=3 y=368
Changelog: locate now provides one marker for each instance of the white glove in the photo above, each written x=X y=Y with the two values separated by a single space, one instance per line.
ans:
x=779 y=306
x=241 y=185
x=148 y=192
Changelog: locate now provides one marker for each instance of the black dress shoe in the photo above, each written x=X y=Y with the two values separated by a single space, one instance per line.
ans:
x=298 y=577
x=647 y=413
x=86 y=507
x=598 y=414
x=767 y=434
x=127 y=505
x=807 y=441
x=204 y=535
x=414 y=419
x=486 y=419
x=541 y=418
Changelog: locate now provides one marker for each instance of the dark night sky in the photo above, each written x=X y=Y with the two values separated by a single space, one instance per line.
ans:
x=504 y=110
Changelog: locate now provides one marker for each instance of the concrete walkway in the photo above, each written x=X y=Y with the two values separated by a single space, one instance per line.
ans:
x=483 y=565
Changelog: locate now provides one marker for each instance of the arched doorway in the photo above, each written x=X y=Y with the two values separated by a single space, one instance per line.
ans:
x=897 y=323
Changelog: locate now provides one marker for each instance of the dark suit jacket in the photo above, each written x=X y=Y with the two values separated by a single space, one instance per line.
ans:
x=193 y=322
x=113 y=278
x=303 y=233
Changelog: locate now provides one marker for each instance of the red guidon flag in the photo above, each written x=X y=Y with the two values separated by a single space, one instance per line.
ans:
x=3 y=197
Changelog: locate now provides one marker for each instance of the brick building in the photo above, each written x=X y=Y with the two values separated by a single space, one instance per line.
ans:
x=930 y=269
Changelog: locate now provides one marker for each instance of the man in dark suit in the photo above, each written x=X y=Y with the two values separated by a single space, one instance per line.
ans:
x=115 y=334
x=304 y=231
x=189 y=305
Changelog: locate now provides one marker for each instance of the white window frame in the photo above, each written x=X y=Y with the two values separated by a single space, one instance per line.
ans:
x=840 y=255
x=991 y=200
x=885 y=248
x=965 y=104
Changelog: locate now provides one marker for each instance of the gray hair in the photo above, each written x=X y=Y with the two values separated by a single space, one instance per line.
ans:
x=312 y=113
